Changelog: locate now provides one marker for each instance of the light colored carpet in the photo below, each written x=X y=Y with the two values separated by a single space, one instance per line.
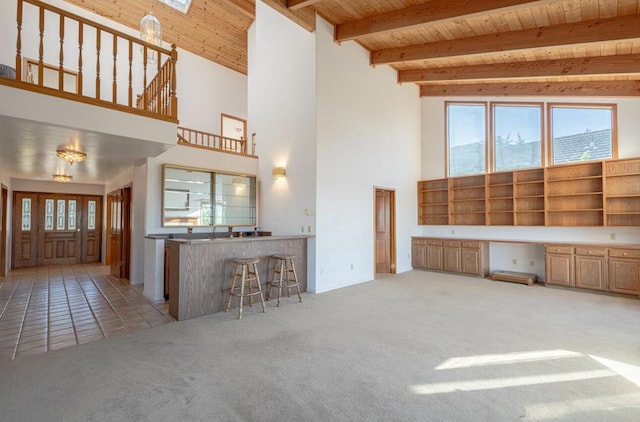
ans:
x=380 y=351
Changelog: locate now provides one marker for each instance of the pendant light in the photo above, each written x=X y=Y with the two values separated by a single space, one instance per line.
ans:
x=151 y=32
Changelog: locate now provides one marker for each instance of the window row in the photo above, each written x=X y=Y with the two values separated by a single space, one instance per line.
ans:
x=520 y=135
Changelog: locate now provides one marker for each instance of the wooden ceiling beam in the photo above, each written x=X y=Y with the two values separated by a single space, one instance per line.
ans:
x=594 y=31
x=246 y=8
x=305 y=17
x=299 y=4
x=423 y=14
x=586 y=66
x=530 y=89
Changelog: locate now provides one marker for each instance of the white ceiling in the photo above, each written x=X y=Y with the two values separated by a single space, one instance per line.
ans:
x=28 y=151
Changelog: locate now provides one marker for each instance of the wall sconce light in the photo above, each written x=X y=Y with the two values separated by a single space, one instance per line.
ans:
x=71 y=156
x=62 y=178
x=279 y=172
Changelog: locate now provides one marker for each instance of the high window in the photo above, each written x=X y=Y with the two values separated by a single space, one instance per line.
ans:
x=466 y=138
x=520 y=136
x=517 y=136
x=581 y=132
x=180 y=5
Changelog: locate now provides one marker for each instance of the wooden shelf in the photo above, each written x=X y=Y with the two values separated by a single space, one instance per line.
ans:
x=594 y=193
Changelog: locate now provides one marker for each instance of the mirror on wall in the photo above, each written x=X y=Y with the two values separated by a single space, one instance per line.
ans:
x=203 y=198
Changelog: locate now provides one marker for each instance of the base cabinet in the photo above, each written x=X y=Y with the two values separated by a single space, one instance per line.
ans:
x=559 y=267
x=624 y=275
x=594 y=267
x=418 y=253
x=457 y=256
x=434 y=254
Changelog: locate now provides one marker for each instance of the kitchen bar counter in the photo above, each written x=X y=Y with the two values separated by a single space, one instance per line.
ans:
x=200 y=270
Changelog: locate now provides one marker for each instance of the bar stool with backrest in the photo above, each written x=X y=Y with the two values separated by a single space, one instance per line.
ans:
x=245 y=273
x=284 y=276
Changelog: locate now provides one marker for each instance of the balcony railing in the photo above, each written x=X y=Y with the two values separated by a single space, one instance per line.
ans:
x=65 y=55
x=196 y=138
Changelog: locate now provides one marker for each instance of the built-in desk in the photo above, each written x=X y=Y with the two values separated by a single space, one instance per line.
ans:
x=200 y=270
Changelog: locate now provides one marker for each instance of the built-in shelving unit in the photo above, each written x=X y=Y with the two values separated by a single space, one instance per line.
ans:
x=622 y=192
x=499 y=199
x=574 y=195
x=433 y=200
x=528 y=189
x=594 y=193
x=467 y=200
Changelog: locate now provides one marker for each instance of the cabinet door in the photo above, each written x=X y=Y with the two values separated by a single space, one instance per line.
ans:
x=434 y=257
x=452 y=258
x=591 y=272
x=559 y=269
x=418 y=255
x=624 y=275
x=471 y=261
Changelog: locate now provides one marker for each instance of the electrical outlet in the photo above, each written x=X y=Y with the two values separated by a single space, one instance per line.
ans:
x=453 y=231
x=612 y=236
x=309 y=228
x=514 y=261
x=352 y=266
x=302 y=229
x=532 y=263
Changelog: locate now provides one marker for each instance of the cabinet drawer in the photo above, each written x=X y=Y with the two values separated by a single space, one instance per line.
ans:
x=474 y=244
x=591 y=251
x=452 y=243
x=559 y=249
x=625 y=253
x=434 y=242
x=419 y=241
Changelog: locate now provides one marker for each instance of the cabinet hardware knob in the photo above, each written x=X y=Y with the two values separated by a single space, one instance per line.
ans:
x=589 y=251
x=625 y=254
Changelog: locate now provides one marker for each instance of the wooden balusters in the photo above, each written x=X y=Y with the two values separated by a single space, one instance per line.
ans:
x=80 y=43
x=19 y=42
x=114 y=94
x=61 y=66
x=130 y=90
x=41 y=49
x=98 y=40
x=157 y=98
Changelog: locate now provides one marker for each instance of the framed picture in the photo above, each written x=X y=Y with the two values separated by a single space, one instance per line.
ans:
x=176 y=199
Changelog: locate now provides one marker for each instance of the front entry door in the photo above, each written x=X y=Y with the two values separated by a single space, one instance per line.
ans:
x=50 y=228
x=59 y=229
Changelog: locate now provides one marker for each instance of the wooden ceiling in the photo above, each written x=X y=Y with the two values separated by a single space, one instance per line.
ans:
x=448 y=47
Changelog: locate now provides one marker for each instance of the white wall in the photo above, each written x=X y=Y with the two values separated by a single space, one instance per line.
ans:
x=205 y=90
x=502 y=255
x=282 y=113
x=368 y=135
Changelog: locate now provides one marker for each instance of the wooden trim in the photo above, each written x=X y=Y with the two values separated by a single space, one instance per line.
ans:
x=547 y=89
x=304 y=17
x=594 y=31
x=604 y=65
x=423 y=14
x=299 y=4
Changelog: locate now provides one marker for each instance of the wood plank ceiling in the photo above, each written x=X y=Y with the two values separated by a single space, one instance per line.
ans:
x=448 y=47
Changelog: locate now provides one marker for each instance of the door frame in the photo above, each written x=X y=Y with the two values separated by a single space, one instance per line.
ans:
x=392 y=228
x=4 y=199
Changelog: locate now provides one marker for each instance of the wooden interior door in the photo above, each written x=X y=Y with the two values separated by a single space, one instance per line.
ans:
x=25 y=230
x=91 y=228
x=3 y=231
x=384 y=231
x=115 y=232
x=60 y=232
x=125 y=257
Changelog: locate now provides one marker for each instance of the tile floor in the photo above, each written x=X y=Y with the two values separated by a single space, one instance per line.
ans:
x=49 y=308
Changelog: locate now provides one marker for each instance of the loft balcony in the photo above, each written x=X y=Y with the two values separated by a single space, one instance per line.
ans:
x=78 y=83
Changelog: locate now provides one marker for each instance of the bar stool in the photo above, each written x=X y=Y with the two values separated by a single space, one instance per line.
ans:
x=284 y=276
x=245 y=272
